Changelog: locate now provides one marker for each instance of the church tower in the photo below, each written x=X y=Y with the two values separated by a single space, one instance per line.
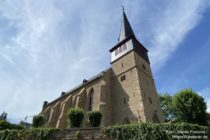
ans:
x=134 y=96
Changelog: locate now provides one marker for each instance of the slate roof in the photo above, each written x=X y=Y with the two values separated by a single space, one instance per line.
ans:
x=125 y=30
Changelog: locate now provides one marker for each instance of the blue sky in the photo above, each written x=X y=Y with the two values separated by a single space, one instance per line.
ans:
x=50 y=46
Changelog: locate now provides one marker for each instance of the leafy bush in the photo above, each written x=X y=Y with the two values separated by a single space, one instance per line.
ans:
x=6 y=125
x=38 y=121
x=75 y=117
x=94 y=118
x=29 y=134
x=147 y=131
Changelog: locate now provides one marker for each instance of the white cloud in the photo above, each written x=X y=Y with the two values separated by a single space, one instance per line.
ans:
x=54 y=48
x=168 y=24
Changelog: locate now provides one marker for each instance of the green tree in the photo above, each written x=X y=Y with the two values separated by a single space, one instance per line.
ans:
x=75 y=117
x=3 y=116
x=190 y=107
x=7 y=125
x=167 y=106
x=38 y=121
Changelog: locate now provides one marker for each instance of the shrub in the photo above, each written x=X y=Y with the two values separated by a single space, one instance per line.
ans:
x=6 y=125
x=75 y=117
x=94 y=118
x=28 y=134
x=38 y=121
x=148 y=131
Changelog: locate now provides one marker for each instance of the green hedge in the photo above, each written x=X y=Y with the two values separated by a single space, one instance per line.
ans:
x=6 y=125
x=29 y=134
x=147 y=131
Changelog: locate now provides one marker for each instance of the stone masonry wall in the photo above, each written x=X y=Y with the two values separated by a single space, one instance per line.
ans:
x=56 y=112
x=126 y=99
x=80 y=134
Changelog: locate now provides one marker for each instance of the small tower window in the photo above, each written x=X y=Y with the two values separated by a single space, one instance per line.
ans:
x=143 y=66
x=124 y=101
x=122 y=78
x=124 y=47
x=122 y=65
x=116 y=52
x=150 y=100
x=120 y=49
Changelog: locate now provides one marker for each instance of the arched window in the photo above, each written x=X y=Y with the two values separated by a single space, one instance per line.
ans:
x=90 y=106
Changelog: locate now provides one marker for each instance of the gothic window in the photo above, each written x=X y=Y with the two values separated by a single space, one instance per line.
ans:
x=124 y=47
x=90 y=107
x=150 y=100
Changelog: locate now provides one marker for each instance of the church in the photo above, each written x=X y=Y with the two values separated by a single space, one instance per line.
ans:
x=123 y=93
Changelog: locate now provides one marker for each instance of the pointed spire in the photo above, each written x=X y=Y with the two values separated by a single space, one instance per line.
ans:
x=125 y=30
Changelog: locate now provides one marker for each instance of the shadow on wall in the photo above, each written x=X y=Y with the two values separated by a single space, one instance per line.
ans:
x=122 y=113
